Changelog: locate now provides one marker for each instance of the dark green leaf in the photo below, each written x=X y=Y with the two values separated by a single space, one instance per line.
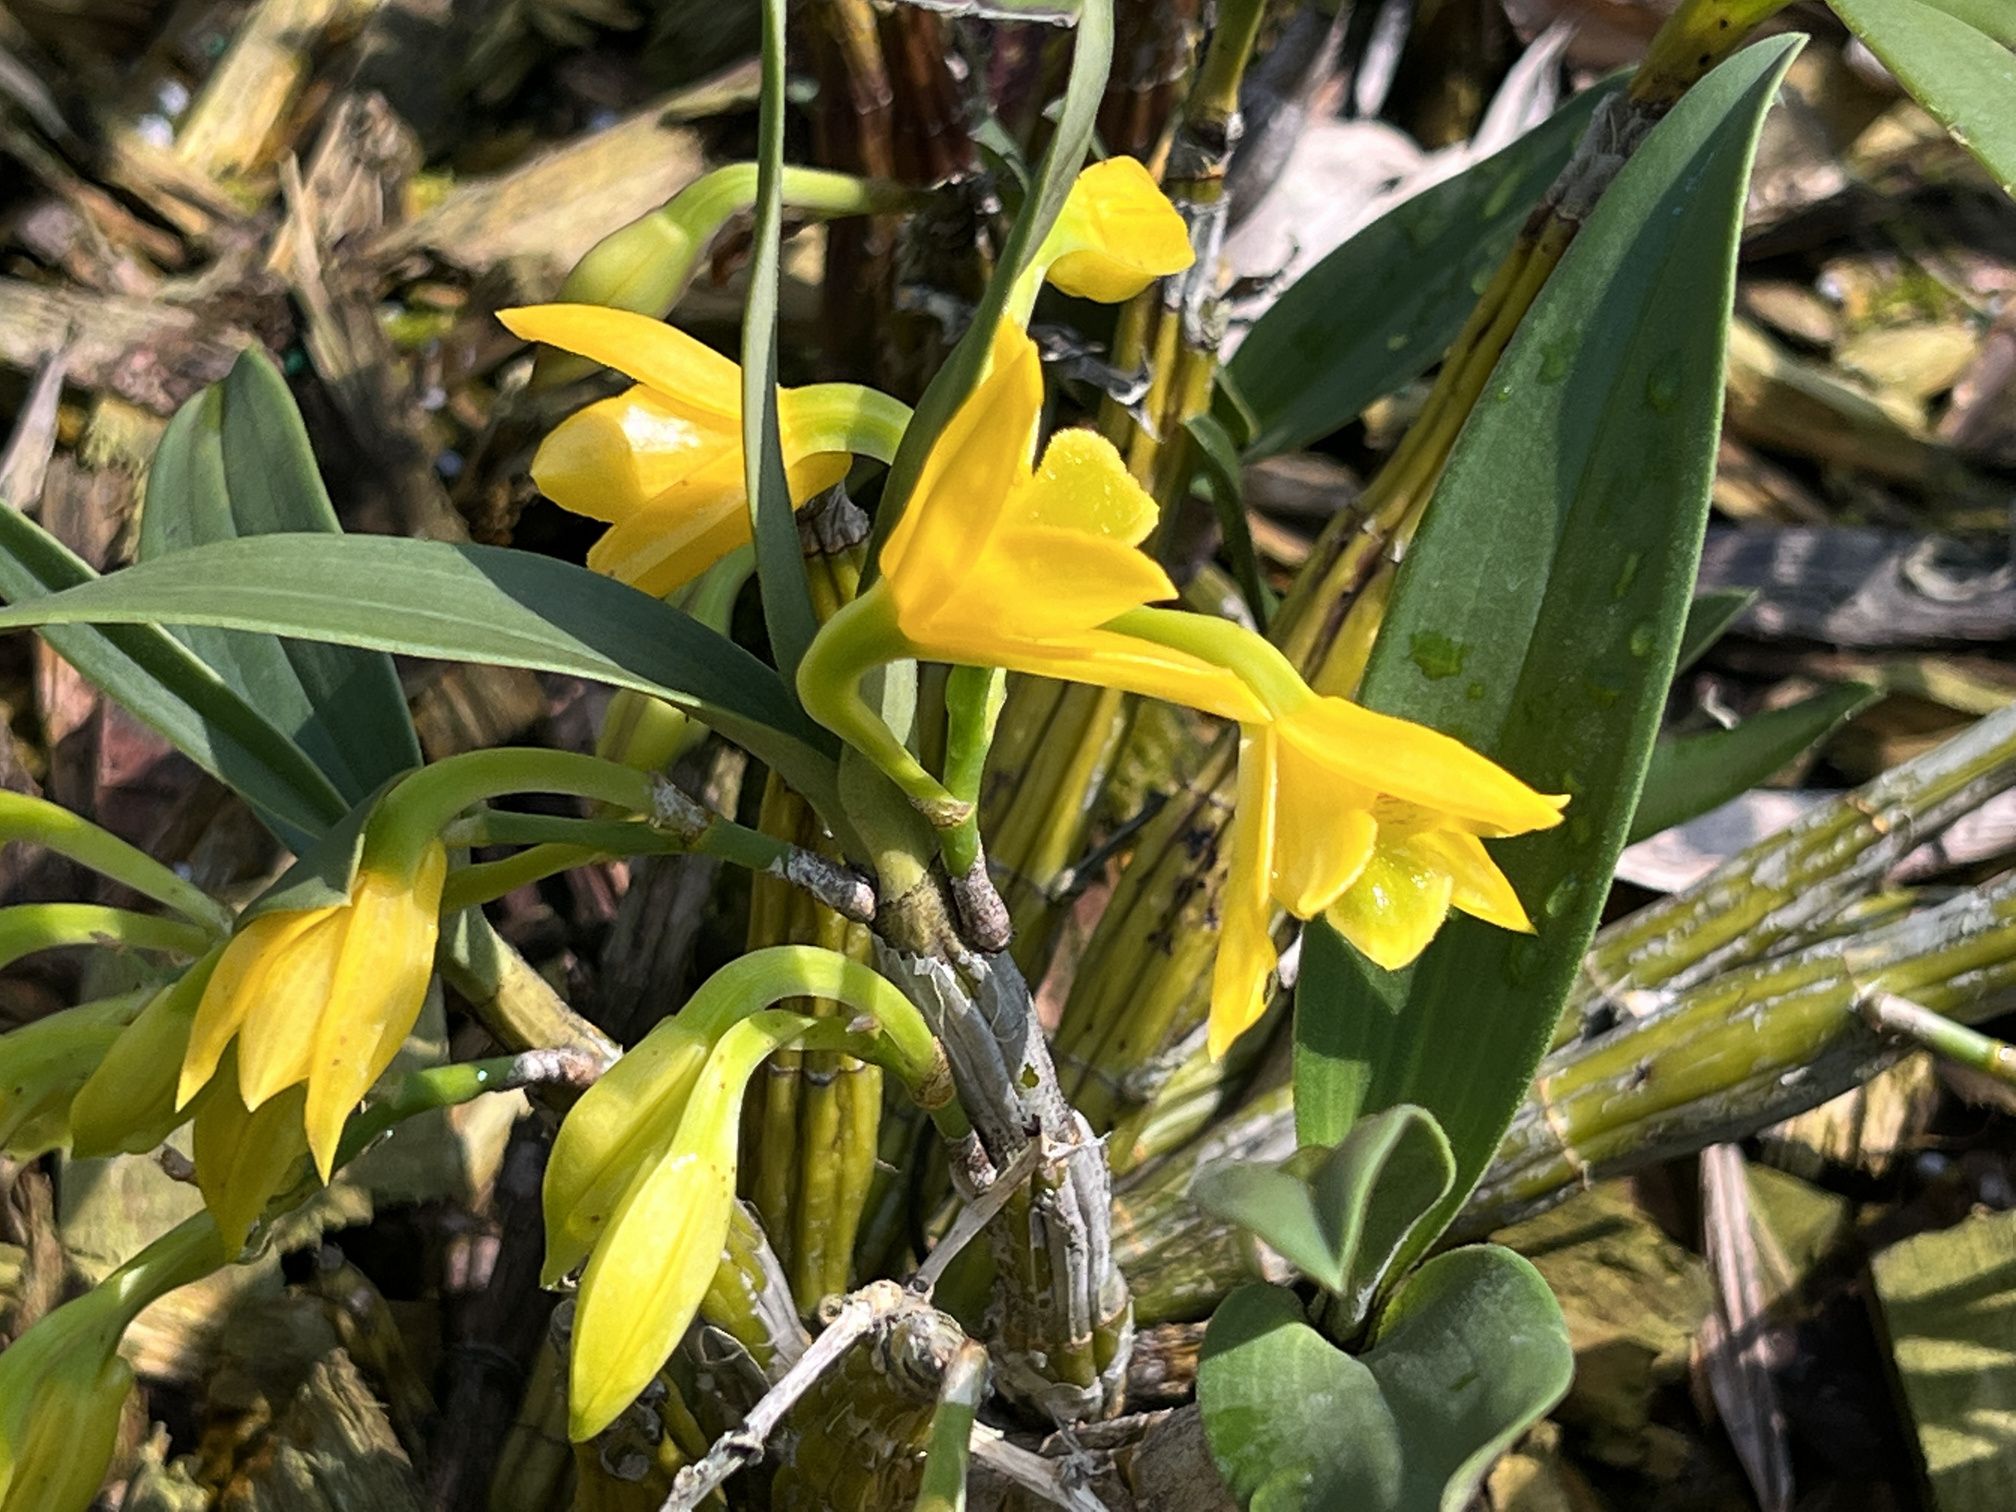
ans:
x=235 y=461
x=1222 y=480
x=780 y=561
x=1470 y=1352
x=155 y=678
x=1708 y=617
x=1691 y=774
x=462 y=603
x=1556 y=560
x=1956 y=58
x=1342 y=1218
x=1382 y=308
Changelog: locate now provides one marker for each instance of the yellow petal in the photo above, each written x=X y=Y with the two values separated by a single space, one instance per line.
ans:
x=245 y=1157
x=276 y=1043
x=1035 y=583
x=1117 y=233
x=619 y=454
x=1394 y=908
x=653 y=353
x=1083 y=485
x=658 y=1254
x=1246 y=957
x=673 y=540
x=621 y=1124
x=234 y=991
x=1480 y=888
x=1106 y=659
x=1323 y=836
x=380 y=985
x=1419 y=765
x=979 y=459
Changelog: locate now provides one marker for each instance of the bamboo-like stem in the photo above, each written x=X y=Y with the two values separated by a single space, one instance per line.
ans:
x=1743 y=1050
x=508 y=996
x=1066 y=1322
x=1793 y=880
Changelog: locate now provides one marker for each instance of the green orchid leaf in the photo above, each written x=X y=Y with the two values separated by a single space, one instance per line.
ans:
x=1221 y=479
x=780 y=560
x=1342 y=1216
x=1556 y=562
x=1691 y=774
x=1958 y=59
x=461 y=603
x=1470 y=1352
x=1383 y=308
x=235 y=461
x=1708 y=620
x=164 y=685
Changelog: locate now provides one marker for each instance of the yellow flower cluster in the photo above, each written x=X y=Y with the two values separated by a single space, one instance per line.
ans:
x=1003 y=559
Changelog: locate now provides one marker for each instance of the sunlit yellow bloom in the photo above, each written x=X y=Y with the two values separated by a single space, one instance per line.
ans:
x=322 y=996
x=44 y=1063
x=1373 y=822
x=621 y=1124
x=661 y=462
x=63 y=1384
x=1116 y=234
x=245 y=1157
x=657 y=1254
x=1000 y=563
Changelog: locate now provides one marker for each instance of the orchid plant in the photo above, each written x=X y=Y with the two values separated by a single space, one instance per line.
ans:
x=1354 y=801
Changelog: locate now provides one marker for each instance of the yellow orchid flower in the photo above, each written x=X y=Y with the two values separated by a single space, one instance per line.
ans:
x=658 y=1252
x=1000 y=563
x=323 y=996
x=63 y=1385
x=641 y=1182
x=1116 y=234
x=661 y=462
x=245 y=1157
x=1371 y=821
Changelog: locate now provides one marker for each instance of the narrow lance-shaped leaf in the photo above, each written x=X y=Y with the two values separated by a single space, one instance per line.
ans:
x=164 y=685
x=780 y=563
x=1550 y=581
x=462 y=603
x=1958 y=59
x=235 y=461
x=1382 y=308
x=1691 y=774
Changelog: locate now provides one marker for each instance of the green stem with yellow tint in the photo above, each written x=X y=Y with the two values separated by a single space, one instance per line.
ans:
x=28 y=927
x=39 y=822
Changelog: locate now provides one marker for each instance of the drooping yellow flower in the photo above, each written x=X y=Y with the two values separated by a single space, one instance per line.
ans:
x=658 y=1251
x=1116 y=234
x=1000 y=563
x=621 y=1125
x=62 y=1390
x=1373 y=822
x=245 y=1157
x=661 y=462
x=63 y=1384
x=323 y=996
